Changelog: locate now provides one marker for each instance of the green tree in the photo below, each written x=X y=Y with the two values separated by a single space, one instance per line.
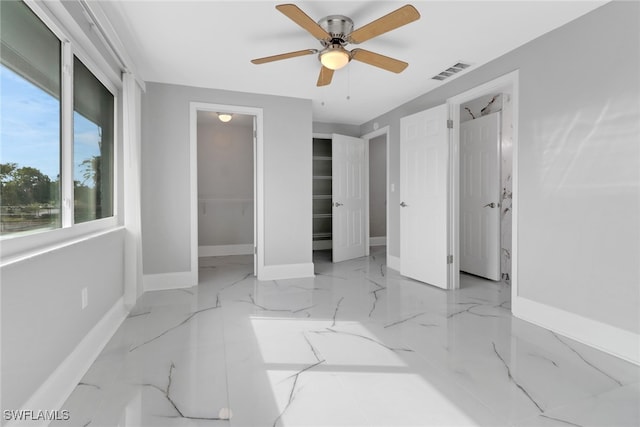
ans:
x=6 y=171
x=8 y=191
x=32 y=186
x=92 y=171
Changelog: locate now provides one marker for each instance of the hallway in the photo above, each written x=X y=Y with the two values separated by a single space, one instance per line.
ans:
x=358 y=345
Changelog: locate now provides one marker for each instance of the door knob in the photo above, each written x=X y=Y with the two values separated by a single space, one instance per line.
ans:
x=491 y=205
x=336 y=204
x=403 y=204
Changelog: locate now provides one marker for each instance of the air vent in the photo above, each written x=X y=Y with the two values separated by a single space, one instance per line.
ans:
x=451 y=71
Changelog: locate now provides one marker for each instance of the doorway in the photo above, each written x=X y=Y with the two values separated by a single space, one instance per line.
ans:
x=225 y=184
x=499 y=97
x=377 y=149
x=377 y=187
x=480 y=184
x=226 y=176
x=324 y=175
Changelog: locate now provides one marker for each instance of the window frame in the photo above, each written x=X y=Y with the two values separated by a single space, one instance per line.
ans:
x=47 y=239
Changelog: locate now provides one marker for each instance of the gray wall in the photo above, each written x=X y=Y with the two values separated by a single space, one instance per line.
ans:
x=225 y=181
x=578 y=156
x=42 y=321
x=42 y=317
x=165 y=175
x=340 y=128
x=378 y=186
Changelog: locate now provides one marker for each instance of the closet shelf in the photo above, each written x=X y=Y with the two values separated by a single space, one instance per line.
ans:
x=321 y=177
x=321 y=235
x=322 y=215
x=321 y=196
x=321 y=158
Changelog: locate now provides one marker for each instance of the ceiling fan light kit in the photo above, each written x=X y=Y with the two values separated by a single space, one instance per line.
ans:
x=334 y=57
x=334 y=32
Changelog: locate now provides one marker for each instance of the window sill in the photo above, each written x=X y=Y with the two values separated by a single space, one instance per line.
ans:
x=22 y=247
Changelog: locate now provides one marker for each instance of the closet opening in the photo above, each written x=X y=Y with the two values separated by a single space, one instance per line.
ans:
x=226 y=160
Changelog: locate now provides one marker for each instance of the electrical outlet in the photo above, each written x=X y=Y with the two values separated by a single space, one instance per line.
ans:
x=85 y=298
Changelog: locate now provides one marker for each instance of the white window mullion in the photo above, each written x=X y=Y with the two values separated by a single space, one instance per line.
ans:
x=67 y=136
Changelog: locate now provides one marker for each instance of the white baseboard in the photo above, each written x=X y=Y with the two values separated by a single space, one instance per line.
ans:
x=225 y=250
x=612 y=340
x=378 y=241
x=286 y=271
x=165 y=281
x=393 y=262
x=58 y=387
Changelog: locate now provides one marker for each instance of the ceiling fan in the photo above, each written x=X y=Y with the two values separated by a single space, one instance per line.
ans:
x=336 y=31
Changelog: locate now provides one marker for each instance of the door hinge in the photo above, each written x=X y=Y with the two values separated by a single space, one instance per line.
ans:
x=449 y=124
x=255 y=249
x=449 y=259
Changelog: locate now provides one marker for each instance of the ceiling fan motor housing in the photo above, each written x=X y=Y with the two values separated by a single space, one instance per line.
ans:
x=339 y=26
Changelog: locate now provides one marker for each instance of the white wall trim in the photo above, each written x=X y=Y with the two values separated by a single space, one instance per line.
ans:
x=378 y=241
x=286 y=271
x=165 y=281
x=393 y=262
x=224 y=250
x=612 y=340
x=58 y=387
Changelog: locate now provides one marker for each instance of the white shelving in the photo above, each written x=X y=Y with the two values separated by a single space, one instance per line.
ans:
x=322 y=181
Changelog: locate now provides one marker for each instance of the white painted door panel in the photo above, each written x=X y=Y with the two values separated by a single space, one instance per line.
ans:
x=348 y=194
x=424 y=166
x=480 y=196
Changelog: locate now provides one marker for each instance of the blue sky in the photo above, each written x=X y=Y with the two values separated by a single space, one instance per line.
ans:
x=30 y=128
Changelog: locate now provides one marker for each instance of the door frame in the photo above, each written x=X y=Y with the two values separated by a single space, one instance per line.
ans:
x=511 y=79
x=258 y=183
x=367 y=137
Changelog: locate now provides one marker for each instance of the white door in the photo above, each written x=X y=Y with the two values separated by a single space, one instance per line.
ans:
x=424 y=170
x=480 y=196
x=348 y=194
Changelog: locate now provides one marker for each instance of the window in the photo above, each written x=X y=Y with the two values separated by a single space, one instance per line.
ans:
x=30 y=125
x=92 y=146
x=35 y=138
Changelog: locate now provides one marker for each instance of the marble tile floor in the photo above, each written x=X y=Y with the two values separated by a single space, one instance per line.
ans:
x=358 y=345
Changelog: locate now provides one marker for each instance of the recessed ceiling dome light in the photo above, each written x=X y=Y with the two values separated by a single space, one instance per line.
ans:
x=225 y=117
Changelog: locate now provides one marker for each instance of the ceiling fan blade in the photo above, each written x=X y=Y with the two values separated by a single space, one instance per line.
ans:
x=378 y=60
x=296 y=14
x=284 y=56
x=391 y=21
x=326 y=74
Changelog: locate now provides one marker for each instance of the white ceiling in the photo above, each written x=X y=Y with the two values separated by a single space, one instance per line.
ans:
x=210 y=44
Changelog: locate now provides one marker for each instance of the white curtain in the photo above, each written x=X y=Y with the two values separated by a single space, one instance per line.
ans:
x=131 y=100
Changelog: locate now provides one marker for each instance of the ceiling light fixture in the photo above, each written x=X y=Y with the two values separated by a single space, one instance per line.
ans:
x=334 y=57
x=225 y=117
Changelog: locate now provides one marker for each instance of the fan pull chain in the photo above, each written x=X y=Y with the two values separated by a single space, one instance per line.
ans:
x=324 y=93
x=348 y=83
